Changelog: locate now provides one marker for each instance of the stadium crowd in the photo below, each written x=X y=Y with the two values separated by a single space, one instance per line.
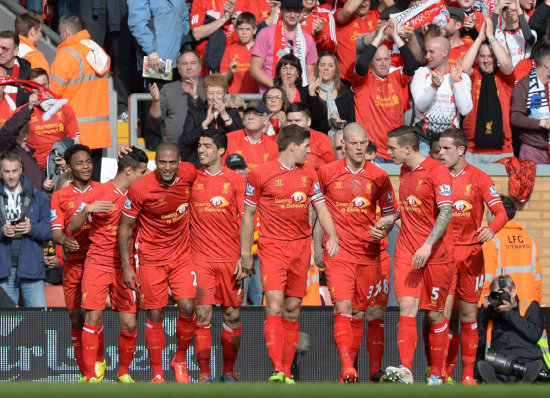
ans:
x=251 y=188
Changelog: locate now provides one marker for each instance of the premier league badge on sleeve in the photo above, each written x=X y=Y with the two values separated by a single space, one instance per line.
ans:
x=317 y=188
x=249 y=190
x=128 y=204
x=445 y=190
x=493 y=191
x=390 y=198
x=81 y=207
x=53 y=214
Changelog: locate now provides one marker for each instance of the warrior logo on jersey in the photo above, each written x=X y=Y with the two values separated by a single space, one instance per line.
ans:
x=182 y=208
x=249 y=190
x=445 y=190
x=413 y=200
x=53 y=214
x=299 y=197
x=493 y=191
x=219 y=201
x=462 y=205
x=127 y=204
x=361 y=202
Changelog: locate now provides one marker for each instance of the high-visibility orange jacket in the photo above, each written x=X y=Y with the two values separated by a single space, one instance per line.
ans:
x=514 y=252
x=79 y=73
x=28 y=51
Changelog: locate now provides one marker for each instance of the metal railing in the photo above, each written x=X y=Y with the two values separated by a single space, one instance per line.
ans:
x=133 y=100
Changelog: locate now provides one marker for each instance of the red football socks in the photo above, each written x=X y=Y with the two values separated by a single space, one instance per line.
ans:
x=452 y=352
x=407 y=338
x=469 y=348
x=185 y=330
x=203 y=345
x=273 y=335
x=357 y=326
x=231 y=341
x=154 y=340
x=76 y=340
x=90 y=347
x=343 y=337
x=439 y=338
x=126 y=348
x=291 y=334
x=100 y=346
x=375 y=344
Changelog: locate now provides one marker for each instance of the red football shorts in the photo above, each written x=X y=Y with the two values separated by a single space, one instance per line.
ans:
x=97 y=284
x=154 y=282
x=430 y=283
x=284 y=265
x=385 y=269
x=216 y=284
x=469 y=273
x=72 y=285
x=359 y=283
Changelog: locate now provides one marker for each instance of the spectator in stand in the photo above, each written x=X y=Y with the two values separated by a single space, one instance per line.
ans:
x=79 y=73
x=530 y=111
x=540 y=17
x=351 y=21
x=15 y=67
x=329 y=97
x=512 y=29
x=452 y=32
x=235 y=64
x=320 y=144
x=169 y=106
x=440 y=93
x=277 y=104
x=236 y=163
x=288 y=76
x=251 y=142
x=473 y=19
x=380 y=95
x=108 y=19
x=277 y=40
x=488 y=126
x=44 y=134
x=159 y=27
x=5 y=110
x=319 y=23
x=13 y=138
x=25 y=219
x=29 y=28
x=235 y=101
x=528 y=7
x=434 y=148
x=203 y=115
x=338 y=145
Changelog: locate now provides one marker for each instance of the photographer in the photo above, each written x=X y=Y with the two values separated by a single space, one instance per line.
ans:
x=511 y=335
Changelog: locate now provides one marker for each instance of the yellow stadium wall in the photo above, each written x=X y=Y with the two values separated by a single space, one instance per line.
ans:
x=534 y=216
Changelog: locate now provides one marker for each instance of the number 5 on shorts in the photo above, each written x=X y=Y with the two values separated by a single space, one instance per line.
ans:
x=435 y=293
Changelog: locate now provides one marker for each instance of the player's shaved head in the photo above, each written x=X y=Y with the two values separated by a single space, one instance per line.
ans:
x=406 y=136
x=168 y=146
x=442 y=43
x=354 y=128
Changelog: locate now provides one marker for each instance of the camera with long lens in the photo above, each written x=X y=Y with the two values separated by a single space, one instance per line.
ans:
x=497 y=298
x=505 y=365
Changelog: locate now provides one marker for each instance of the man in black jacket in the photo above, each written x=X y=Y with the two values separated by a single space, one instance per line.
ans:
x=16 y=67
x=505 y=330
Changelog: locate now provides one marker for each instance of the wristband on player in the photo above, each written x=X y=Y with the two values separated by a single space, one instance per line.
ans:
x=492 y=39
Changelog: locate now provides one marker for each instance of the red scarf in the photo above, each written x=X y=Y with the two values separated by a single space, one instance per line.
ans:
x=10 y=92
x=280 y=44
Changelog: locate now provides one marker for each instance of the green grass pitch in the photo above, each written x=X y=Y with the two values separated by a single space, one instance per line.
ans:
x=247 y=390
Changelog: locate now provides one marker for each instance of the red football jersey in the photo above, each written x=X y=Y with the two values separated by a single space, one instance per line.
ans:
x=421 y=192
x=43 y=134
x=217 y=201
x=326 y=38
x=64 y=204
x=282 y=196
x=104 y=229
x=352 y=199
x=242 y=81
x=5 y=111
x=471 y=189
x=254 y=153
x=162 y=217
x=321 y=150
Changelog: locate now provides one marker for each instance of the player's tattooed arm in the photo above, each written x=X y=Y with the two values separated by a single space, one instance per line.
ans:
x=441 y=223
x=124 y=244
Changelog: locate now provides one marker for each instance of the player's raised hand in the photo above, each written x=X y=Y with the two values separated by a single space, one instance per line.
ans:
x=123 y=150
x=99 y=206
x=239 y=273
x=332 y=246
x=421 y=256
x=130 y=278
x=456 y=72
x=485 y=234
